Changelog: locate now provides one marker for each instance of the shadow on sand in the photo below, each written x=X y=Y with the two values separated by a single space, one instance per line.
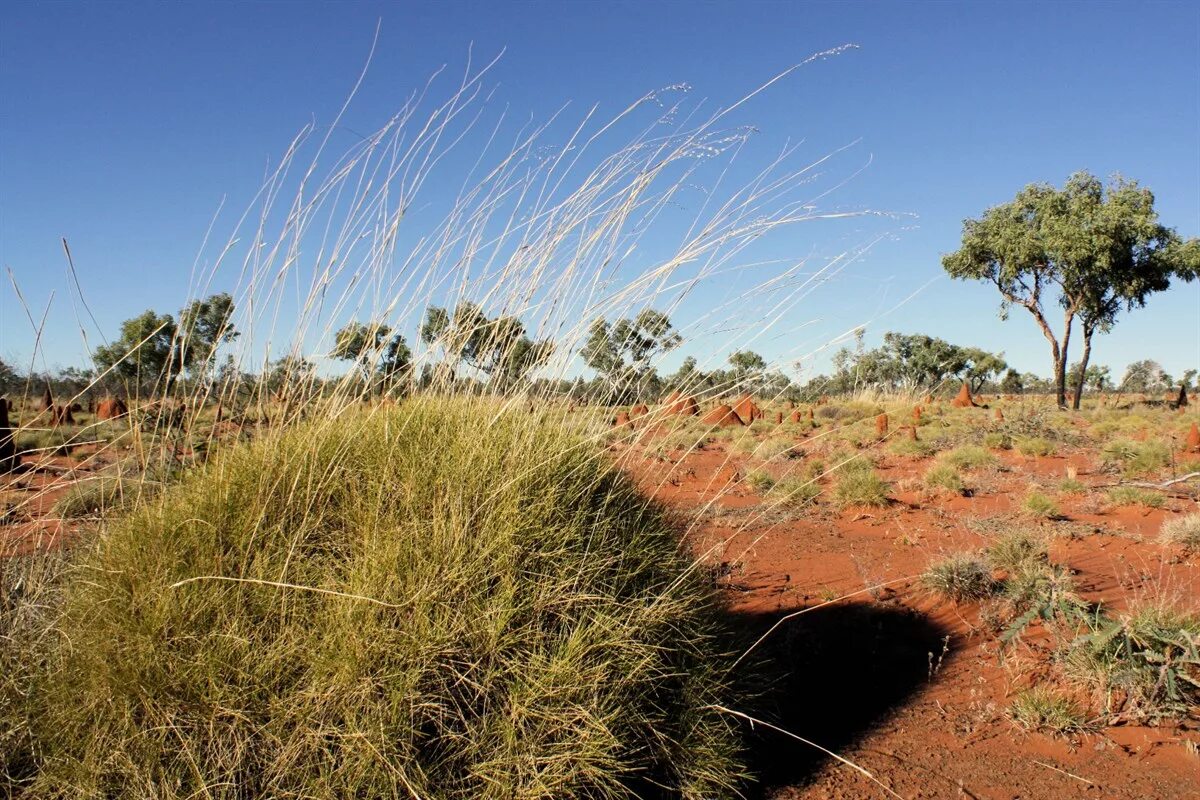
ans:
x=831 y=676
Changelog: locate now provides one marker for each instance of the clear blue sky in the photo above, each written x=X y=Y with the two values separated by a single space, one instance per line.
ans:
x=124 y=125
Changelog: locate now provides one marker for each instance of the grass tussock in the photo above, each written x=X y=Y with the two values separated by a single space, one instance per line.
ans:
x=1183 y=531
x=1044 y=709
x=944 y=476
x=861 y=487
x=961 y=577
x=1035 y=446
x=967 y=457
x=1037 y=504
x=1133 y=496
x=436 y=601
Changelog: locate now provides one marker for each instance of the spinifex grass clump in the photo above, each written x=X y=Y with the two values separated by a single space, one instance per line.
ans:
x=441 y=600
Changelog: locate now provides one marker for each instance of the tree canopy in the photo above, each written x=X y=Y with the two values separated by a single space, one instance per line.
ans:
x=498 y=347
x=1095 y=250
x=623 y=352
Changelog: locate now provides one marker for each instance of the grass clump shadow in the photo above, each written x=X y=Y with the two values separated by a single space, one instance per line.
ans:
x=409 y=603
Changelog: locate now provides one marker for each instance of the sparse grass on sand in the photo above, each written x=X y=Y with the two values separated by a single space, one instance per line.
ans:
x=1037 y=504
x=1035 y=446
x=1042 y=708
x=1133 y=496
x=1184 y=531
x=944 y=476
x=435 y=601
x=960 y=577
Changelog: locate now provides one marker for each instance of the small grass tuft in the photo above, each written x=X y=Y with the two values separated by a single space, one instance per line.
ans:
x=967 y=456
x=1133 y=496
x=997 y=440
x=1037 y=504
x=1044 y=709
x=1035 y=446
x=961 y=577
x=1184 y=531
x=944 y=476
x=861 y=488
x=795 y=491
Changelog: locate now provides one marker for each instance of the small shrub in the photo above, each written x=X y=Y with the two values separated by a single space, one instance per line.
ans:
x=960 y=577
x=1183 y=531
x=944 y=476
x=997 y=440
x=967 y=457
x=1035 y=446
x=1133 y=496
x=1148 y=661
x=1039 y=505
x=861 y=488
x=1044 y=709
x=1040 y=590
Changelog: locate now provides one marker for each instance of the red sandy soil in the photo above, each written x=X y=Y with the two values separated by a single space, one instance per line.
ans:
x=909 y=687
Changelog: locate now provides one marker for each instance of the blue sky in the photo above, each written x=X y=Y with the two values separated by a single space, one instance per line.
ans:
x=123 y=126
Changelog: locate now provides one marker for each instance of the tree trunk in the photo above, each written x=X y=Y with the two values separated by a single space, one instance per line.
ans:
x=1060 y=372
x=1059 y=354
x=1083 y=365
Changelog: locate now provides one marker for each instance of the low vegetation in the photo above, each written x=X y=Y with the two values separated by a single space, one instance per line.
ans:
x=531 y=621
x=960 y=577
x=1037 y=504
x=1184 y=531
x=1043 y=708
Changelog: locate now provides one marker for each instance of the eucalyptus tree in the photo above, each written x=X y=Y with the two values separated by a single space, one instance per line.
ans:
x=1095 y=250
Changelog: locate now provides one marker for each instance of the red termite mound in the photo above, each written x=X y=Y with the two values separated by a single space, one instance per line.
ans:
x=912 y=432
x=1192 y=443
x=640 y=410
x=746 y=410
x=916 y=413
x=622 y=420
x=881 y=425
x=963 y=399
x=810 y=415
x=111 y=408
x=999 y=415
x=724 y=416
x=794 y=417
x=8 y=449
x=683 y=405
